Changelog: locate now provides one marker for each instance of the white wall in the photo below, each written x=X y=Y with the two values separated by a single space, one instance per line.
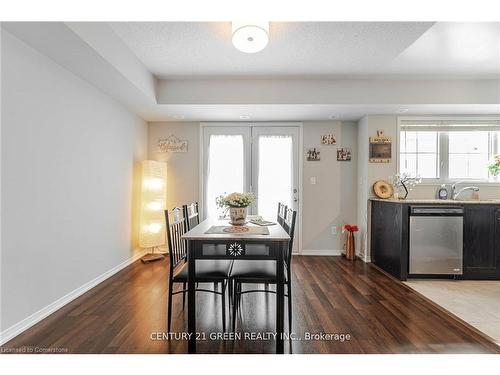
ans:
x=332 y=201
x=183 y=168
x=67 y=154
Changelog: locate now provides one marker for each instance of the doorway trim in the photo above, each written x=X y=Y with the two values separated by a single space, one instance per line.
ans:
x=201 y=182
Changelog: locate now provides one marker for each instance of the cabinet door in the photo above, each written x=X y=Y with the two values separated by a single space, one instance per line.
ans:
x=497 y=240
x=480 y=258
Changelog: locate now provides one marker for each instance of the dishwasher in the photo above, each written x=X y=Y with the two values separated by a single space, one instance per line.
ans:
x=436 y=240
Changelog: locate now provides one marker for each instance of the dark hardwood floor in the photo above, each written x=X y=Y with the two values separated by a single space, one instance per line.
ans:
x=331 y=295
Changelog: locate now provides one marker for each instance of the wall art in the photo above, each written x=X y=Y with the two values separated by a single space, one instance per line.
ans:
x=380 y=148
x=172 y=144
x=328 y=139
x=313 y=154
x=344 y=154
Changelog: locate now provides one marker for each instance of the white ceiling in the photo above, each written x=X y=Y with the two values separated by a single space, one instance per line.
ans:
x=206 y=79
x=311 y=48
x=187 y=49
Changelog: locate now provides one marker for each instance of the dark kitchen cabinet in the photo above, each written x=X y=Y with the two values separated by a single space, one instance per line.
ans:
x=389 y=239
x=481 y=242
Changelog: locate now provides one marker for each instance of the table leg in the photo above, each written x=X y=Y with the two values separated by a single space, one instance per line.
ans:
x=279 y=298
x=191 y=296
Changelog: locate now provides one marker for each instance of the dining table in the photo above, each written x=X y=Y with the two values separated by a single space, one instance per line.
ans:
x=218 y=239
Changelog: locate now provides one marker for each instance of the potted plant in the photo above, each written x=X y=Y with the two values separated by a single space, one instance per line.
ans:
x=494 y=168
x=237 y=204
x=350 y=248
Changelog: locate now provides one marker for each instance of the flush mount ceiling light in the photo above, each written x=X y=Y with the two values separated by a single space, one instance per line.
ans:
x=333 y=117
x=244 y=117
x=250 y=37
x=402 y=110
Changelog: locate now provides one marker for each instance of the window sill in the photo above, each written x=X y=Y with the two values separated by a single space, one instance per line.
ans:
x=463 y=182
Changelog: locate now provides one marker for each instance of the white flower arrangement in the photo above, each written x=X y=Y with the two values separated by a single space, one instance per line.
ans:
x=235 y=200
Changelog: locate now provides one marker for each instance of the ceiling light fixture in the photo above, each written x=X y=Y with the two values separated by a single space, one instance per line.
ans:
x=333 y=117
x=244 y=117
x=250 y=37
x=402 y=110
x=179 y=117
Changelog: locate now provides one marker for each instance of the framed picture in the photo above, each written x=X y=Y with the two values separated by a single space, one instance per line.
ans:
x=380 y=148
x=343 y=154
x=313 y=154
x=172 y=144
x=328 y=139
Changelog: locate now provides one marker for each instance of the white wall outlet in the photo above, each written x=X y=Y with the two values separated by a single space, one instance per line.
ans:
x=334 y=230
x=313 y=180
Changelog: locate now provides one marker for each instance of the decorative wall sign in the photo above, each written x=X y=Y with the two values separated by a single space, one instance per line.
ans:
x=313 y=154
x=172 y=144
x=344 y=154
x=380 y=148
x=328 y=139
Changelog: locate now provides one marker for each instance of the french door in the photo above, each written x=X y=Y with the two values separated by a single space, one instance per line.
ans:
x=259 y=158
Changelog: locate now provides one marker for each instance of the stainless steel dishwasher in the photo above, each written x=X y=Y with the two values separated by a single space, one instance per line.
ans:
x=436 y=240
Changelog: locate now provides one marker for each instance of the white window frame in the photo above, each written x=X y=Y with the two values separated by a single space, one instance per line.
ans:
x=443 y=148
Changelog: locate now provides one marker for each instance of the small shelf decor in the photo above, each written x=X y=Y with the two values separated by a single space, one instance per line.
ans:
x=350 y=247
x=403 y=183
x=380 y=148
x=237 y=204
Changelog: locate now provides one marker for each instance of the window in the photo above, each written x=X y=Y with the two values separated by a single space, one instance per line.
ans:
x=448 y=151
x=419 y=153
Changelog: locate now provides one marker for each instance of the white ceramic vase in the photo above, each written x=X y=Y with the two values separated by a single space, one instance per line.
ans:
x=238 y=215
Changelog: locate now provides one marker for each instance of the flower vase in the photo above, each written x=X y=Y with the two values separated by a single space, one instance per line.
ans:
x=350 y=248
x=238 y=215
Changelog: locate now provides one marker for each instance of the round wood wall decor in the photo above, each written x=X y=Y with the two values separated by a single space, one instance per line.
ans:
x=383 y=189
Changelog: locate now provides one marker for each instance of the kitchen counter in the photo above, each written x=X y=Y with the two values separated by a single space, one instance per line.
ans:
x=390 y=237
x=437 y=201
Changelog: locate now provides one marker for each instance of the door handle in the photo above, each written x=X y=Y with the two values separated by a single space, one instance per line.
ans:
x=297 y=199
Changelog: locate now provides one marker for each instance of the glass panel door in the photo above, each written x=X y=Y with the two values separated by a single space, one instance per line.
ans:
x=226 y=164
x=275 y=170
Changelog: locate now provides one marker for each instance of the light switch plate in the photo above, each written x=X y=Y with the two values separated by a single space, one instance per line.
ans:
x=313 y=180
x=334 y=230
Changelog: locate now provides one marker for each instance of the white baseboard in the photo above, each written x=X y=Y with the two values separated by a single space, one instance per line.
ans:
x=34 y=318
x=325 y=252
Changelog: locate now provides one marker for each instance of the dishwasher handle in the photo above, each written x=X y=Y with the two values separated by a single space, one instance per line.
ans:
x=436 y=211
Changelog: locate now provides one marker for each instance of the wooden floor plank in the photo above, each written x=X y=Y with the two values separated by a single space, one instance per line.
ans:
x=330 y=295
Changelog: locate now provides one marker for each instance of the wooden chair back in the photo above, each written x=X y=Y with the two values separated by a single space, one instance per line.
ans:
x=281 y=213
x=176 y=227
x=289 y=227
x=191 y=214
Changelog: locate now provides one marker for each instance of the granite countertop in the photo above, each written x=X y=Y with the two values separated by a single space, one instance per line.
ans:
x=437 y=201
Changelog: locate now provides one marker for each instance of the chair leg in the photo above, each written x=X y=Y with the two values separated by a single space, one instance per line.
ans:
x=183 y=296
x=223 y=307
x=235 y=304
x=230 y=289
x=289 y=292
x=169 y=317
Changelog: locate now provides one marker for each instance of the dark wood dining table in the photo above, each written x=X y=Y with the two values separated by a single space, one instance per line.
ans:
x=241 y=246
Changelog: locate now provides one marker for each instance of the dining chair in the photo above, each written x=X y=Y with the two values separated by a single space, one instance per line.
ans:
x=192 y=215
x=207 y=271
x=264 y=272
x=281 y=213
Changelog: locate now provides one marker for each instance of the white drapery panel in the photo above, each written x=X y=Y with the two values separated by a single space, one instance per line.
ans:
x=275 y=173
x=225 y=169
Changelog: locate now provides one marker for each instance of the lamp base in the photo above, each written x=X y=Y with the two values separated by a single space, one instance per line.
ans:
x=152 y=257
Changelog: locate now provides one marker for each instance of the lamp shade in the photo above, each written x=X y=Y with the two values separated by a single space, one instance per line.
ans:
x=153 y=203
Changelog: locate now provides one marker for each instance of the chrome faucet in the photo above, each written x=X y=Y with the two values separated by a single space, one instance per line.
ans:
x=455 y=194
